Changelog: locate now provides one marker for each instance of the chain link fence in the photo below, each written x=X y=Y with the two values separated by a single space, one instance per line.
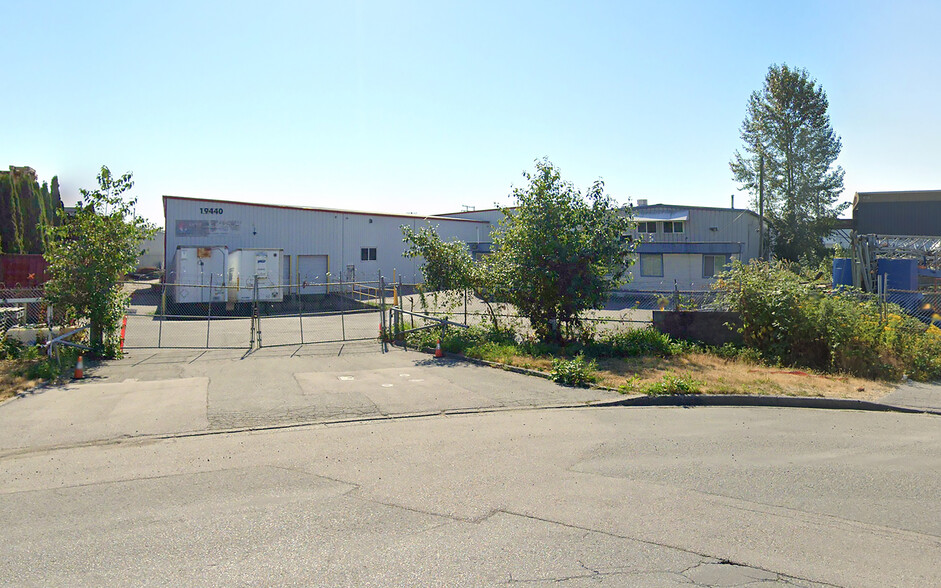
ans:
x=624 y=310
x=924 y=305
x=22 y=308
x=241 y=316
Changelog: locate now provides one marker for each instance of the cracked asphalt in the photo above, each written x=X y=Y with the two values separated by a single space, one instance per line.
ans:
x=588 y=496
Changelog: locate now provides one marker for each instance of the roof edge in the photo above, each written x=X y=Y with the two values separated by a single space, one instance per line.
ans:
x=318 y=209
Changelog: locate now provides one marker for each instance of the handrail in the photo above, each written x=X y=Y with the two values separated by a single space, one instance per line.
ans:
x=59 y=340
x=440 y=321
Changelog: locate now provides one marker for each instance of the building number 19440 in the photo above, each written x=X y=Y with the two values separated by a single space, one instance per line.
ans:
x=210 y=211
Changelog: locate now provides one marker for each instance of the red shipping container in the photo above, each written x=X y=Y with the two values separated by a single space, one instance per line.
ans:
x=27 y=270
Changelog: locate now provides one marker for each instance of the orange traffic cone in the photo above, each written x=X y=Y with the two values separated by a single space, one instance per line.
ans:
x=79 y=369
x=438 y=352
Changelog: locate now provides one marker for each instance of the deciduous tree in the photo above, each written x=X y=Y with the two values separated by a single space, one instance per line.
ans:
x=90 y=252
x=561 y=252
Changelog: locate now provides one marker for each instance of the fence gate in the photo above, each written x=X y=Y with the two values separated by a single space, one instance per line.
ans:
x=254 y=313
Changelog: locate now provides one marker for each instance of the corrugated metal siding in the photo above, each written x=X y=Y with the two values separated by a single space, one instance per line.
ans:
x=339 y=235
x=732 y=226
x=898 y=218
x=685 y=269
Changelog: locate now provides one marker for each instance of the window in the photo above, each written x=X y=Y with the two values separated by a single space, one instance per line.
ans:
x=672 y=226
x=713 y=264
x=367 y=254
x=646 y=227
x=651 y=265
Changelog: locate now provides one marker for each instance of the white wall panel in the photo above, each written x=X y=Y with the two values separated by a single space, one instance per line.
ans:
x=339 y=235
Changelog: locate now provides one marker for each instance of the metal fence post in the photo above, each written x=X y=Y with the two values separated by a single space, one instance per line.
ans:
x=209 y=312
x=343 y=316
x=256 y=312
x=163 y=314
x=300 y=312
x=382 y=308
x=49 y=324
x=401 y=305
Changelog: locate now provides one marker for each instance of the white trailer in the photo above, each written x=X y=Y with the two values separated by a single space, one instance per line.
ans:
x=248 y=267
x=197 y=274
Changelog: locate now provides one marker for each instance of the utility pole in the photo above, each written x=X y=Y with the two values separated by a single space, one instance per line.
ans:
x=761 y=206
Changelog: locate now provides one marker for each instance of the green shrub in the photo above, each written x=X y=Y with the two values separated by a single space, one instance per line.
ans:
x=573 y=372
x=457 y=340
x=10 y=348
x=790 y=320
x=635 y=343
x=493 y=351
x=737 y=352
x=669 y=384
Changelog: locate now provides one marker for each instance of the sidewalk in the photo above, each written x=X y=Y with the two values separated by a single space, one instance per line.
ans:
x=155 y=392
x=916 y=395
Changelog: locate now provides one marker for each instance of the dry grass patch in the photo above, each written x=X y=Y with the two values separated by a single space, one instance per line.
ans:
x=721 y=376
x=12 y=378
x=717 y=376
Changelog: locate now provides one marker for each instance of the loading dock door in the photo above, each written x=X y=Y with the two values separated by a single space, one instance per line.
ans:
x=313 y=273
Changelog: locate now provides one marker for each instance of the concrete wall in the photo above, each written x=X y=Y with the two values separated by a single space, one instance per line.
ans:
x=703 y=326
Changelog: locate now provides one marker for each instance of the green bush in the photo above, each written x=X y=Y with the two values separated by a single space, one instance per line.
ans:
x=791 y=320
x=10 y=348
x=493 y=351
x=573 y=372
x=669 y=384
x=737 y=352
x=457 y=340
x=635 y=343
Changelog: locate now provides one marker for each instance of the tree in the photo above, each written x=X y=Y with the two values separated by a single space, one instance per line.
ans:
x=90 y=252
x=449 y=267
x=787 y=131
x=561 y=253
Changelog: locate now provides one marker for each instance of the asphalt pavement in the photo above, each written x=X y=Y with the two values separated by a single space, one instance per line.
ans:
x=347 y=465
x=589 y=496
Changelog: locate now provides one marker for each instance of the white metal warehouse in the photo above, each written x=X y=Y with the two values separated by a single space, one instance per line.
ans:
x=316 y=242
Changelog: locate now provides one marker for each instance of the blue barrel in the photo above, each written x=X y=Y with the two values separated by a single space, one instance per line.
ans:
x=842 y=271
x=903 y=273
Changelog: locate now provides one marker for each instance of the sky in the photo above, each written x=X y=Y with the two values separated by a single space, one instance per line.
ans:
x=427 y=107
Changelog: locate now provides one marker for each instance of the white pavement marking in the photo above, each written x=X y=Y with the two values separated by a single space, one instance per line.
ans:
x=430 y=392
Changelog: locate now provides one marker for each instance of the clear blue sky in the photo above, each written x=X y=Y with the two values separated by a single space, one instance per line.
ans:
x=427 y=106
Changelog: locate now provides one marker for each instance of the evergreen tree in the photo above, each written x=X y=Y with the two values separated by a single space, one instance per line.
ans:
x=11 y=223
x=787 y=127
x=31 y=218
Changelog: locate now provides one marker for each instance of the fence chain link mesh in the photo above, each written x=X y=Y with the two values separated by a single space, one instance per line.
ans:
x=212 y=316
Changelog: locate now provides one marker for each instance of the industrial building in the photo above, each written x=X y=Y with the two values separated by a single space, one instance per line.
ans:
x=912 y=213
x=687 y=246
x=317 y=245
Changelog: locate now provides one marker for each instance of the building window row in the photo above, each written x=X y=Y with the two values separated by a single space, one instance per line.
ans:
x=668 y=227
x=651 y=265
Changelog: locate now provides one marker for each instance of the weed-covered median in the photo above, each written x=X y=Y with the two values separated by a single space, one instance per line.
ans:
x=645 y=361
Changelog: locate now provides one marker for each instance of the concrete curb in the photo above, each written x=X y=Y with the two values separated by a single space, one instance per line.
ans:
x=712 y=399
x=759 y=401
